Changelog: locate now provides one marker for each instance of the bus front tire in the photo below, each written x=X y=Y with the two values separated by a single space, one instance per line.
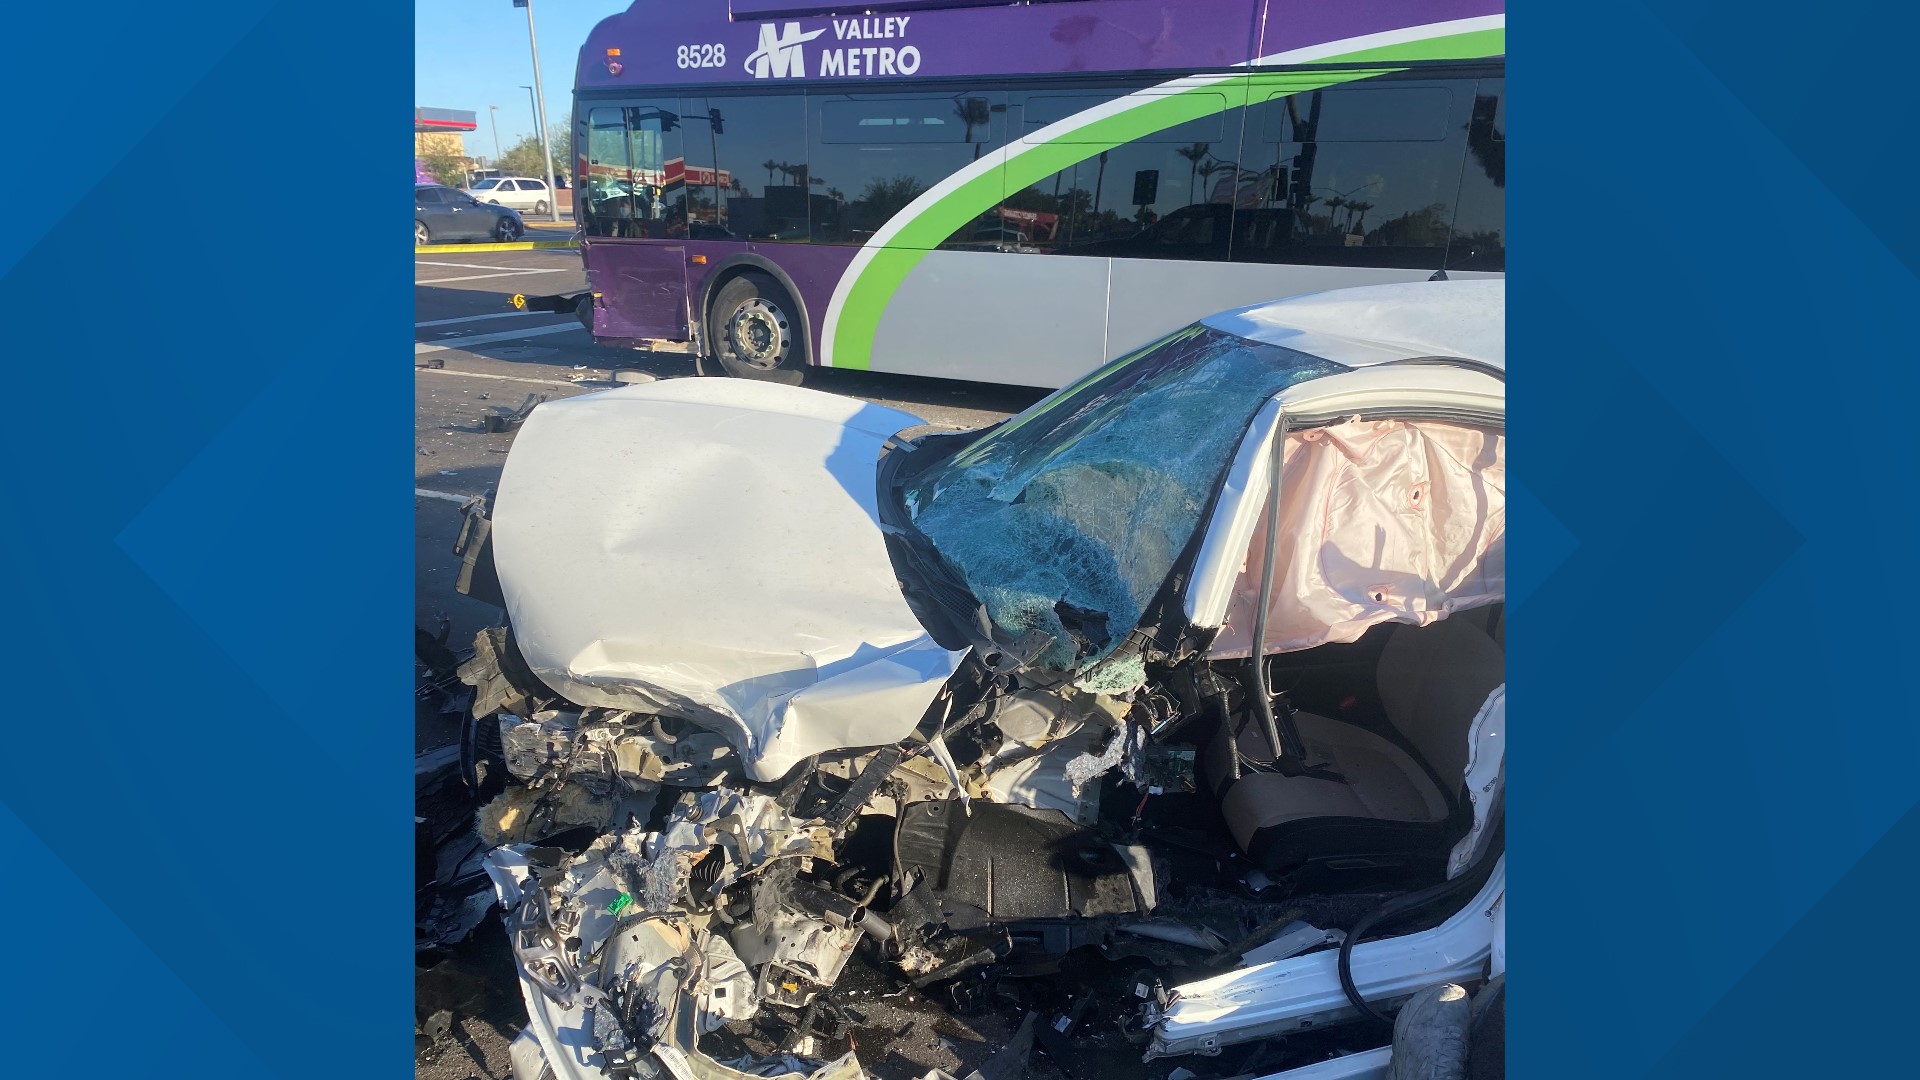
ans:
x=755 y=331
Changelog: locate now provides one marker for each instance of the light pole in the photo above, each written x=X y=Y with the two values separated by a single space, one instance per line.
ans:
x=493 y=114
x=540 y=111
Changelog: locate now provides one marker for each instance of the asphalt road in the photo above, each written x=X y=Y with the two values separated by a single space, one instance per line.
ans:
x=473 y=354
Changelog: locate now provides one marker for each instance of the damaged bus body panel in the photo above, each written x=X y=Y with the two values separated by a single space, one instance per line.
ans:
x=798 y=697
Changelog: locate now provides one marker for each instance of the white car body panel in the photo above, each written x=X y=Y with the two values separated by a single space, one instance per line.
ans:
x=1381 y=323
x=1367 y=1065
x=1304 y=991
x=712 y=548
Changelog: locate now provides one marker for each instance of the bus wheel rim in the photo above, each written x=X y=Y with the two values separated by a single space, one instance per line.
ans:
x=758 y=332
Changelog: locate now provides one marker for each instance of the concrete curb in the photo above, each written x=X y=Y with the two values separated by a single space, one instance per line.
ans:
x=518 y=245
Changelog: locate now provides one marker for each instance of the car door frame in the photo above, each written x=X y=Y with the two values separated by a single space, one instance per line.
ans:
x=473 y=223
x=439 y=218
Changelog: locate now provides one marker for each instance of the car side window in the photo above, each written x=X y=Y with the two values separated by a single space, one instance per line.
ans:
x=533 y=185
x=429 y=197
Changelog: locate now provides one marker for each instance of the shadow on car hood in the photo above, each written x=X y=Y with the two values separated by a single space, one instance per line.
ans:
x=711 y=548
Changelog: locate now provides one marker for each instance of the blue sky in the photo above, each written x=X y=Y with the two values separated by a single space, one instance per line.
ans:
x=469 y=54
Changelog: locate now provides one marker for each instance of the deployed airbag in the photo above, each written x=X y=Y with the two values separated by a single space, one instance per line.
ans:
x=1380 y=521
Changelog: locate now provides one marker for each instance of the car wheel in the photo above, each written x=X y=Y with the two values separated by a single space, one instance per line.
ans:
x=754 y=331
x=539 y=208
x=507 y=231
x=421 y=234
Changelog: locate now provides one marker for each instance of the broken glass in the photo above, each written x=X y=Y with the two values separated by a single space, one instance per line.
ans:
x=1067 y=519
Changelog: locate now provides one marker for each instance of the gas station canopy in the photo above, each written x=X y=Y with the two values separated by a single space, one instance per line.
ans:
x=425 y=120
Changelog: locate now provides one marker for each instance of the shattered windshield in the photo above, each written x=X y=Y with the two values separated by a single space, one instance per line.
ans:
x=1067 y=519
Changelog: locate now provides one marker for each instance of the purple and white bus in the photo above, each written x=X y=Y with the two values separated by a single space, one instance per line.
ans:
x=1019 y=192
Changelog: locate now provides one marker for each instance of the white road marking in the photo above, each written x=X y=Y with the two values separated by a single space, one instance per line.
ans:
x=503 y=378
x=509 y=273
x=421 y=347
x=477 y=318
x=443 y=496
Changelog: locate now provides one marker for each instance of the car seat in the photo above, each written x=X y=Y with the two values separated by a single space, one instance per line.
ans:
x=1393 y=793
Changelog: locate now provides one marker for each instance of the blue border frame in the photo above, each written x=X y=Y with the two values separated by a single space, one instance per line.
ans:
x=1713 y=784
x=205 y=789
x=1713 y=275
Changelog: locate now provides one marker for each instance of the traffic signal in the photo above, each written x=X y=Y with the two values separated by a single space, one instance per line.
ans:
x=1146 y=187
x=1299 y=189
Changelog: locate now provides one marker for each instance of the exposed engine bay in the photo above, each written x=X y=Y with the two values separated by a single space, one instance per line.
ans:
x=1033 y=867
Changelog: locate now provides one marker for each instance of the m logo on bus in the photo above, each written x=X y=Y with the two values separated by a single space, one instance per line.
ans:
x=781 y=57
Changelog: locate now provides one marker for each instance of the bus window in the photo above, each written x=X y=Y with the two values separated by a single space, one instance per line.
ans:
x=1042 y=109
x=873 y=154
x=634 y=184
x=760 y=187
x=1163 y=195
x=1351 y=176
x=1479 y=226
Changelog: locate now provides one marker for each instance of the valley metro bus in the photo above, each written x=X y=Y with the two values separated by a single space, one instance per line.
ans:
x=1019 y=192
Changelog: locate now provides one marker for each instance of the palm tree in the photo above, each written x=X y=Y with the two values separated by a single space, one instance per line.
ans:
x=1206 y=172
x=1356 y=224
x=770 y=165
x=1194 y=154
x=1334 y=204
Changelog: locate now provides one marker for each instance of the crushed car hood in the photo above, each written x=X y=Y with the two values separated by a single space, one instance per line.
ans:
x=711 y=549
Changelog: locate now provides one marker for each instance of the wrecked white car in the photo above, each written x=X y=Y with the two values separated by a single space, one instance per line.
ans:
x=840 y=746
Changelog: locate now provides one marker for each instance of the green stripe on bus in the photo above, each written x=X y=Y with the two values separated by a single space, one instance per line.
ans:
x=1468 y=46
x=868 y=295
